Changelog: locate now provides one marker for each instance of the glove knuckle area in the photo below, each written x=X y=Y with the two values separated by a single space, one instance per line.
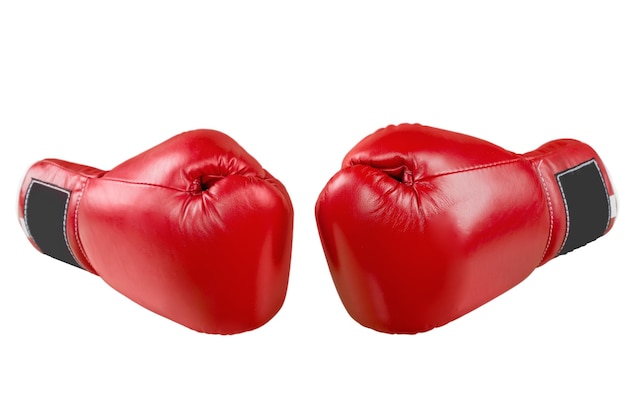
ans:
x=360 y=204
x=365 y=190
x=406 y=268
x=238 y=195
x=190 y=160
x=423 y=151
x=190 y=257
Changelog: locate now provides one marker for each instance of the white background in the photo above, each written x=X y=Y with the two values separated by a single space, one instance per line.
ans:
x=298 y=86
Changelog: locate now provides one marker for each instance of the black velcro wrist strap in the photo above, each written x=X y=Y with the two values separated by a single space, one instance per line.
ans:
x=45 y=220
x=587 y=204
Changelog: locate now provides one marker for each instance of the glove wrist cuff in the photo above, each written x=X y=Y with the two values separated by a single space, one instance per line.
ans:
x=48 y=209
x=579 y=194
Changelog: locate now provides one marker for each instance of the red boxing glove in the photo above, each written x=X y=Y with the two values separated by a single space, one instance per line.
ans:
x=193 y=229
x=423 y=225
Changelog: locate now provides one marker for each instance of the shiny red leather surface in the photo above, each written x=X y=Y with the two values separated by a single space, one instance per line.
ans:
x=422 y=225
x=193 y=229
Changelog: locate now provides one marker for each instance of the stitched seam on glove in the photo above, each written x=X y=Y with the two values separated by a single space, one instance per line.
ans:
x=165 y=186
x=473 y=168
x=76 y=235
x=25 y=213
x=550 y=209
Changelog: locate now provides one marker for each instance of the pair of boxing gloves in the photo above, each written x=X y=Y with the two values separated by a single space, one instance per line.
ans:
x=419 y=227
